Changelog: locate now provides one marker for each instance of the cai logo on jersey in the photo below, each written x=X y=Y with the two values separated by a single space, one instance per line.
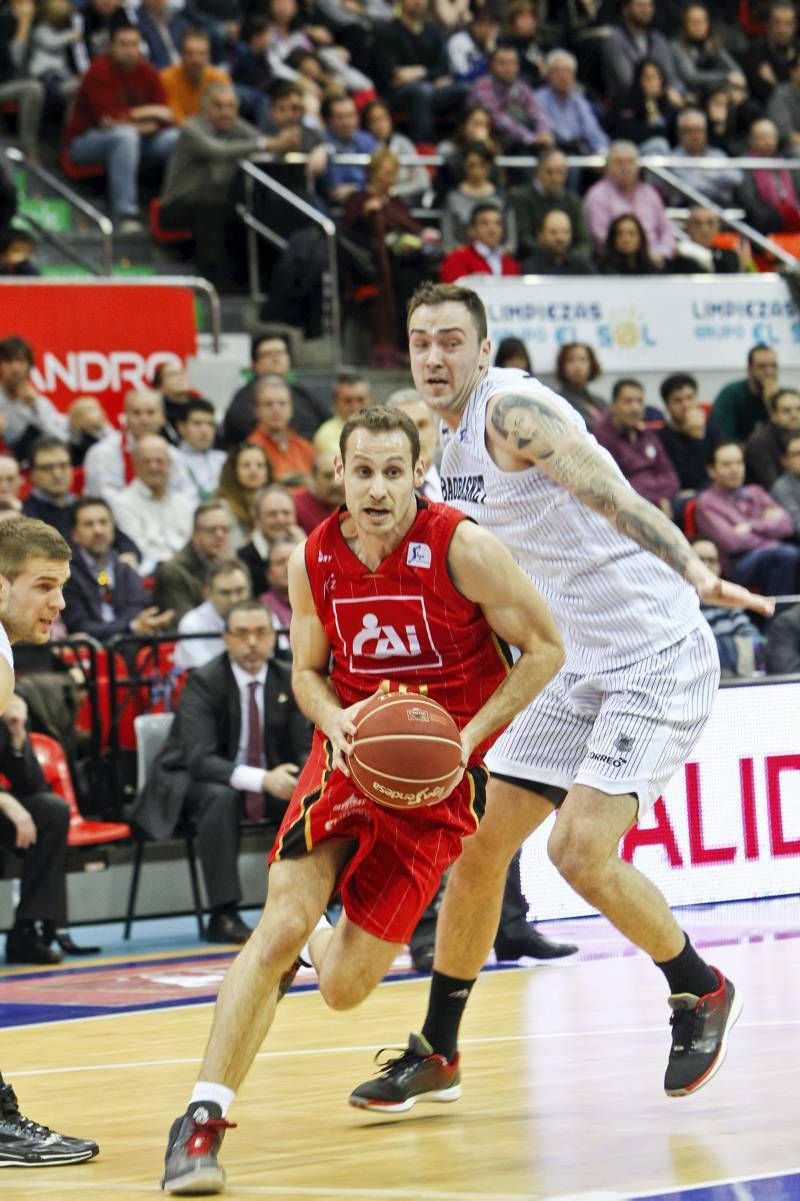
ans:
x=385 y=634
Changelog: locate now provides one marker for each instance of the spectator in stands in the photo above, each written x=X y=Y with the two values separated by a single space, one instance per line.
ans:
x=747 y=526
x=275 y=517
x=740 y=643
x=16 y=23
x=742 y=405
x=554 y=254
x=478 y=186
x=351 y=393
x=49 y=57
x=179 y=581
x=484 y=253
x=227 y=583
x=764 y=448
x=34 y=824
x=547 y=191
x=769 y=59
x=24 y=414
x=104 y=596
x=196 y=450
x=290 y=35
x=621 y=191
x=197 y=429
x=163 y=29
x=521 y=30
x=629 y=42
x=512 y=352
x=244 y=473
x=638 y=451
x=323 y=495
x=10 y=482
x=171 y=382
x=250 y=68
x=402 y=251
x=412 y=182
x=185 y=81
x=276 y=596
x=783 y=643
x=567 y=111
x=469 y=48
x=576 y=368
x=684 y=433
x=208 y=766
x=414 y=407
x=158 y=520
x=696 y=250
x=701 y=60
x=786 y=488
x=626 y=251
x=517 y=118
x=784 y=110
x=730 y=112
x=769 y=196
x=411 y=70
x=290 y=456
x=645 y=114
x=108 y=465
x=269 y=355
x=96 y=21
x=342 y=136
x=87 y=425
x=17 y=248
x=474 y=126
x=287 y=132
x=121 y=118
x=200 y=180
x=719 y=186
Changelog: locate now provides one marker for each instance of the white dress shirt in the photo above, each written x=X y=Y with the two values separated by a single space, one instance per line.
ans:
x=160 y=526
x=203 y=468
x=104 y=468
x=243 y=777
x=494 y=258
x=196 y=652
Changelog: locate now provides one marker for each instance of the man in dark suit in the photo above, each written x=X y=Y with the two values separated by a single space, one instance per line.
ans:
x=697 y=253
x=34 y=822
x=234 y=750
x=104 y=596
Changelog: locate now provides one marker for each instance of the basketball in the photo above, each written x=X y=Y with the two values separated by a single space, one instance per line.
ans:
x=406 y=751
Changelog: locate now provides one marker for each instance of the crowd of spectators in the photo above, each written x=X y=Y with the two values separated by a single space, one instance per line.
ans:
x=185 y=91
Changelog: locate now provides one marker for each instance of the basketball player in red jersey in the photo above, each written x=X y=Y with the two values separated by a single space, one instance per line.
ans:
x=389 y=587
x=34 y=566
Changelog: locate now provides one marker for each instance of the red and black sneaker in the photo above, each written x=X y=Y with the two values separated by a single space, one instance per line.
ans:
x=190 y=1164
x=700 y=1027
x=415 y=1075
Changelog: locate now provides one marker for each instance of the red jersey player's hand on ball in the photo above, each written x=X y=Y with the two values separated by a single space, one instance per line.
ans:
x=341 y=729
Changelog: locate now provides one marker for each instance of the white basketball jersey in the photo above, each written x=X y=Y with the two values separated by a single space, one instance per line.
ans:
x=613 y=601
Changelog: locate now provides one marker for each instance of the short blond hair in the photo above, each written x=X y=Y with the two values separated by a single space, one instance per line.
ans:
x=28 y=538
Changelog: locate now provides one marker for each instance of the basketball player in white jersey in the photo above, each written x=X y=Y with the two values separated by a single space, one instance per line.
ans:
x=604 y=738
x=34 y=566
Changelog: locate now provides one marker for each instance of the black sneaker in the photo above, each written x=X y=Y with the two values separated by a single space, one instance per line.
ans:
x=700 y=1028
x=26 y=1144
x=190 y=1164
x=415 y=1075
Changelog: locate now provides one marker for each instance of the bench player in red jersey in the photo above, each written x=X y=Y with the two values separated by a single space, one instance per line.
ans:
x=388 y=588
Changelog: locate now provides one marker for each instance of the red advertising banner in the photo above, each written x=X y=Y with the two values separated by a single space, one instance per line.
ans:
x=99 y=339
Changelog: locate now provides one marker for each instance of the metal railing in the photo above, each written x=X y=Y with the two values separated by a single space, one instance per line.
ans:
x=104 y=225
x=254 y=177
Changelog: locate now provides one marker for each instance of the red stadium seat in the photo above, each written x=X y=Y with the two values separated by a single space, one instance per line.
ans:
x=689 y=519
x=75 y=171
x=159 y=232
x=82 y=833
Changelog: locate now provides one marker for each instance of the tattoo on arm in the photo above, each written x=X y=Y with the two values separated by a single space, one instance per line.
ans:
x=535 y=430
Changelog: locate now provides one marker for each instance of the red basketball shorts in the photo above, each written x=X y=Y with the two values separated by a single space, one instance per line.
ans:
x=400 y=854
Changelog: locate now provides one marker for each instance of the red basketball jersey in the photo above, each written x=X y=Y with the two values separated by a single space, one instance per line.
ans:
x=405 y=622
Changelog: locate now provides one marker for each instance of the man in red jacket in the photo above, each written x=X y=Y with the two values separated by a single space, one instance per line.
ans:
x=121 y=118
x=483 y=256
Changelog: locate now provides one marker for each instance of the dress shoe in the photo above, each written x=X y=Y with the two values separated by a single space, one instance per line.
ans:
x=226 y=927
x=422 y=958
x=531 y=944
x=27 y=947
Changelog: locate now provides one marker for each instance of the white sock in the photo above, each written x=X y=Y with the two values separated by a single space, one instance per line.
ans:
x=305 y=953
x=205 y=1091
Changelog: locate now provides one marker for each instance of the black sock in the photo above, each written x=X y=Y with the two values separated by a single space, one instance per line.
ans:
x=687 y=972
x=446 y=1003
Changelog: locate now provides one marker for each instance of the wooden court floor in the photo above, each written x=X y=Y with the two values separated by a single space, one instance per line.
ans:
x=563 y=1069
